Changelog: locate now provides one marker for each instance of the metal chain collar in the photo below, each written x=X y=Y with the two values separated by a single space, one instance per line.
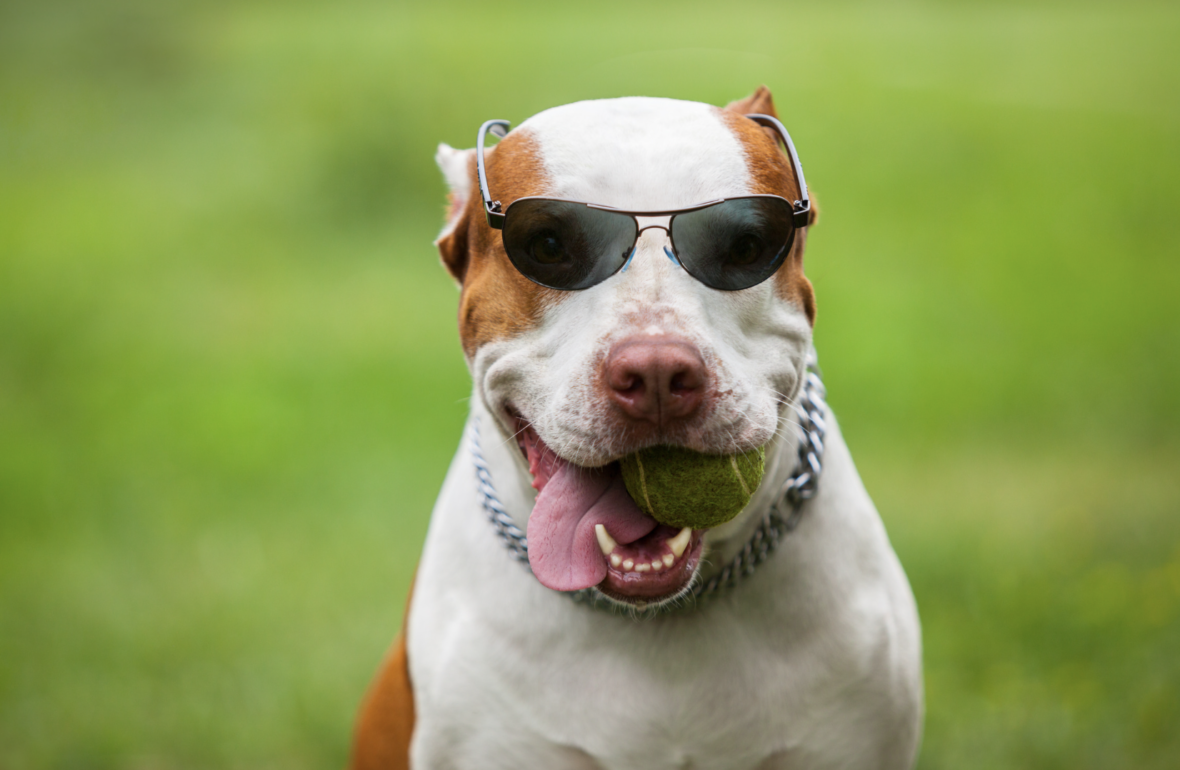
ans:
x=781 y=518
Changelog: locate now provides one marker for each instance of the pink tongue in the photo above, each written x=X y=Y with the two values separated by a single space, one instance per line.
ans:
x=563 y=548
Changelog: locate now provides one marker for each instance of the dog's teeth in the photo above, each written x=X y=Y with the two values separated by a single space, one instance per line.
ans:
x=605 y=541
x=668 y=559
x=656 y=566
x=615 y=560
x=642 y=567
x=680 y=542
x=628 y=565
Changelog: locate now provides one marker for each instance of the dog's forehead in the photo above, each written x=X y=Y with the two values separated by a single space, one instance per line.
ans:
x=639 y=153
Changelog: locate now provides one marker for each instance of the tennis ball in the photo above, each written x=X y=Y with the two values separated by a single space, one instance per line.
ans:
x=683 y=488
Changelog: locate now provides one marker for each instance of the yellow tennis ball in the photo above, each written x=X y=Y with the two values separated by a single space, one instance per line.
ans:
x=683 y=488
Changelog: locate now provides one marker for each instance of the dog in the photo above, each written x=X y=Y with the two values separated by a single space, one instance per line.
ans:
x=787 y=637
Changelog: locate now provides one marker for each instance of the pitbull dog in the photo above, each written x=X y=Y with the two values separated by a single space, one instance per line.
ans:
x=631 y=275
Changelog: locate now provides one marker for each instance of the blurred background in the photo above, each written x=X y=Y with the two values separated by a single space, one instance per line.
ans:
x=230 y=381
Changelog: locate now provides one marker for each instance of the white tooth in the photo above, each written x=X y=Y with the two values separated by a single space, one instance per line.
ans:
x=668 y=559
x=656 y=566
x=627 y=565
x=680 y=542
x=615 y=560
x=642 y=567
x=605 y=541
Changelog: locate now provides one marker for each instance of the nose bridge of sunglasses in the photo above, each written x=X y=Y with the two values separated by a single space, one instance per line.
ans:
x=661 y=223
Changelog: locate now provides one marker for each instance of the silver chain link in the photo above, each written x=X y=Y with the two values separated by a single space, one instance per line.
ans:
x=782 y=517
x=514 y=539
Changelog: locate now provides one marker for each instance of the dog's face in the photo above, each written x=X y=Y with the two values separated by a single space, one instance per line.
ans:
x=649 y=356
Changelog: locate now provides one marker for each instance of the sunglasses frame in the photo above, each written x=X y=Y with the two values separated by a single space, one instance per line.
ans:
x=800 y=209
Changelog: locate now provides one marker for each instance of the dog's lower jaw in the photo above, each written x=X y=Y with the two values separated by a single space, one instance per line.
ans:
x=654 y=588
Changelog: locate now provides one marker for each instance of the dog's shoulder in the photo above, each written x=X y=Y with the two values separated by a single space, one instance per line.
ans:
x=386 y=721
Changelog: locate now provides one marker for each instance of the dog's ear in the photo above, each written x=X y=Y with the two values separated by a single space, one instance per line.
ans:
x=761 y=103
x=456 y=166
x=757 y=103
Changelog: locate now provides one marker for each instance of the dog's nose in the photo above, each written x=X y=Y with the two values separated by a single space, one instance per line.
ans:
x=656 y=379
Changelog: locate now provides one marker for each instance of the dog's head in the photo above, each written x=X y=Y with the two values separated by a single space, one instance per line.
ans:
x=648 y=356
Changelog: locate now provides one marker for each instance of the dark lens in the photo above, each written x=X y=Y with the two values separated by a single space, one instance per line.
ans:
x=566 y=245
x=546 y=248
x=745 y=251
x=735 y=244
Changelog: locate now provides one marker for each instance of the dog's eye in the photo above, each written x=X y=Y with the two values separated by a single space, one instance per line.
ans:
x=744 y=251
x=546 y=248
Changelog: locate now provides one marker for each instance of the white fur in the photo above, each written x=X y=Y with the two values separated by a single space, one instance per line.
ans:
x=812 y=663
x=639 y=153
x=454 y=168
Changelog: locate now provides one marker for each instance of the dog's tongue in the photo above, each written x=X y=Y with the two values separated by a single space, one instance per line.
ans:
x=563 y=548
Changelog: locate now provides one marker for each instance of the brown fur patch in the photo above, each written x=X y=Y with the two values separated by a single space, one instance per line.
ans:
x=496 y=302
x=758 y=103
x=385 y=724
x=771 y=173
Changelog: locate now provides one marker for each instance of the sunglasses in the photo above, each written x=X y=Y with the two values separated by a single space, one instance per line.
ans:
x=727 y=244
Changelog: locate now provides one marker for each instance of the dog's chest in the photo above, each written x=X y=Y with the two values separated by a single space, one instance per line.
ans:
x=509 y=674
x=657 y=695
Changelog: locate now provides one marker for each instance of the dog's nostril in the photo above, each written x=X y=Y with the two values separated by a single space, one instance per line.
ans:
x=682 y=382
x=623 y=381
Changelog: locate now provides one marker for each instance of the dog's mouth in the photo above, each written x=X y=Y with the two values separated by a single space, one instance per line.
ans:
x=585 y=530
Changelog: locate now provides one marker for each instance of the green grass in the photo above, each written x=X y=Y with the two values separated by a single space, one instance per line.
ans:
x=230 y=381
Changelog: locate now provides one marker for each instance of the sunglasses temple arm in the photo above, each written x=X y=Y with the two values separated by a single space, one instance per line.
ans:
x=491 y=208
x=802 y=212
